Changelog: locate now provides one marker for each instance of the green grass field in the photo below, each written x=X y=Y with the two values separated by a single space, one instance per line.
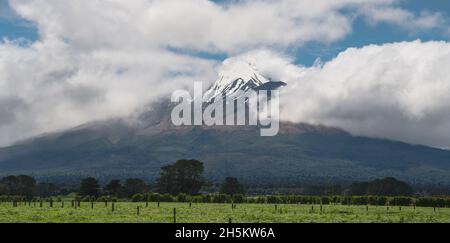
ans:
x=216 y=213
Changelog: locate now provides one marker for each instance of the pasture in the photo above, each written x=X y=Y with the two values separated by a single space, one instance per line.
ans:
x=129 y=212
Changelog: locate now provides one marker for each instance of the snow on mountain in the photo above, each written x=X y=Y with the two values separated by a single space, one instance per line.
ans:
x=235 y=78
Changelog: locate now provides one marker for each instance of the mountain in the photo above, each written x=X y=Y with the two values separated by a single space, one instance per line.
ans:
x=236 y=79
x=301 y=153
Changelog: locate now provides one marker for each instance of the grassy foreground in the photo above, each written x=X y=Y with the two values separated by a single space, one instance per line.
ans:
x=216 y=213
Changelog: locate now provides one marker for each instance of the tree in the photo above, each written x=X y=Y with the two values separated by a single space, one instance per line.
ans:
x=89 y=187
x=114 y=188
x=231 y=186
x=135 y=186
x=4 y=189
x=21 y=185
x=185 y=176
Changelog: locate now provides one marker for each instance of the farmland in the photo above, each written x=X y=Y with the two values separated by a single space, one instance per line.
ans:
x=129 y=212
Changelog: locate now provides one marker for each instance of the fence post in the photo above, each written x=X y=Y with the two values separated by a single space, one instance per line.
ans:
x=92 y=204
x=51 y=202
x=112 y=206
x=230 y=221
x=62 y=204
x=146 y=204
x=174 y=215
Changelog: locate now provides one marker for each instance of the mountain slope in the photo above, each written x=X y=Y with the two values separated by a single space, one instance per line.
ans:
x=300 y=153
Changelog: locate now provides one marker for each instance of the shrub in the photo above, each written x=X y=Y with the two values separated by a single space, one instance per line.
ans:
x=138 y=197
x=359 y=201
x=221 y=198
x=273 y=199
x=238 y=199
x=377 y=200
x=154 y=197
x=167 y=198
x=182 y=197
x=401 y=201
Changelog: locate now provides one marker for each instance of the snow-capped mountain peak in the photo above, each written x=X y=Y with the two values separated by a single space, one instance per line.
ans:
x=235 y=77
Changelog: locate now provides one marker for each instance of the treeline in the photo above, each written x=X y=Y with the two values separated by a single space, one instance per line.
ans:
x=184 y=176
x=183 y=181
x=442 y=202
x=27 y=187
x=382 y=187
x=181 y=178
x=296 y=199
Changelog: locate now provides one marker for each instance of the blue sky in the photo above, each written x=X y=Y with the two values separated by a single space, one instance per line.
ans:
x=364 y=33
x=13 y=27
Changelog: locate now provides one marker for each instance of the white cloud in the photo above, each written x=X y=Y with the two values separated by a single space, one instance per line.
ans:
x=404 y=18
x=195 y=24
x=203 y=25
x=50 y=86
x=99 y=59
x=397 y=91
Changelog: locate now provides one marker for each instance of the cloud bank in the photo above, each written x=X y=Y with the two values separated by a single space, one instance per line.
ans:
x=397 y=91
x=102 y=59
